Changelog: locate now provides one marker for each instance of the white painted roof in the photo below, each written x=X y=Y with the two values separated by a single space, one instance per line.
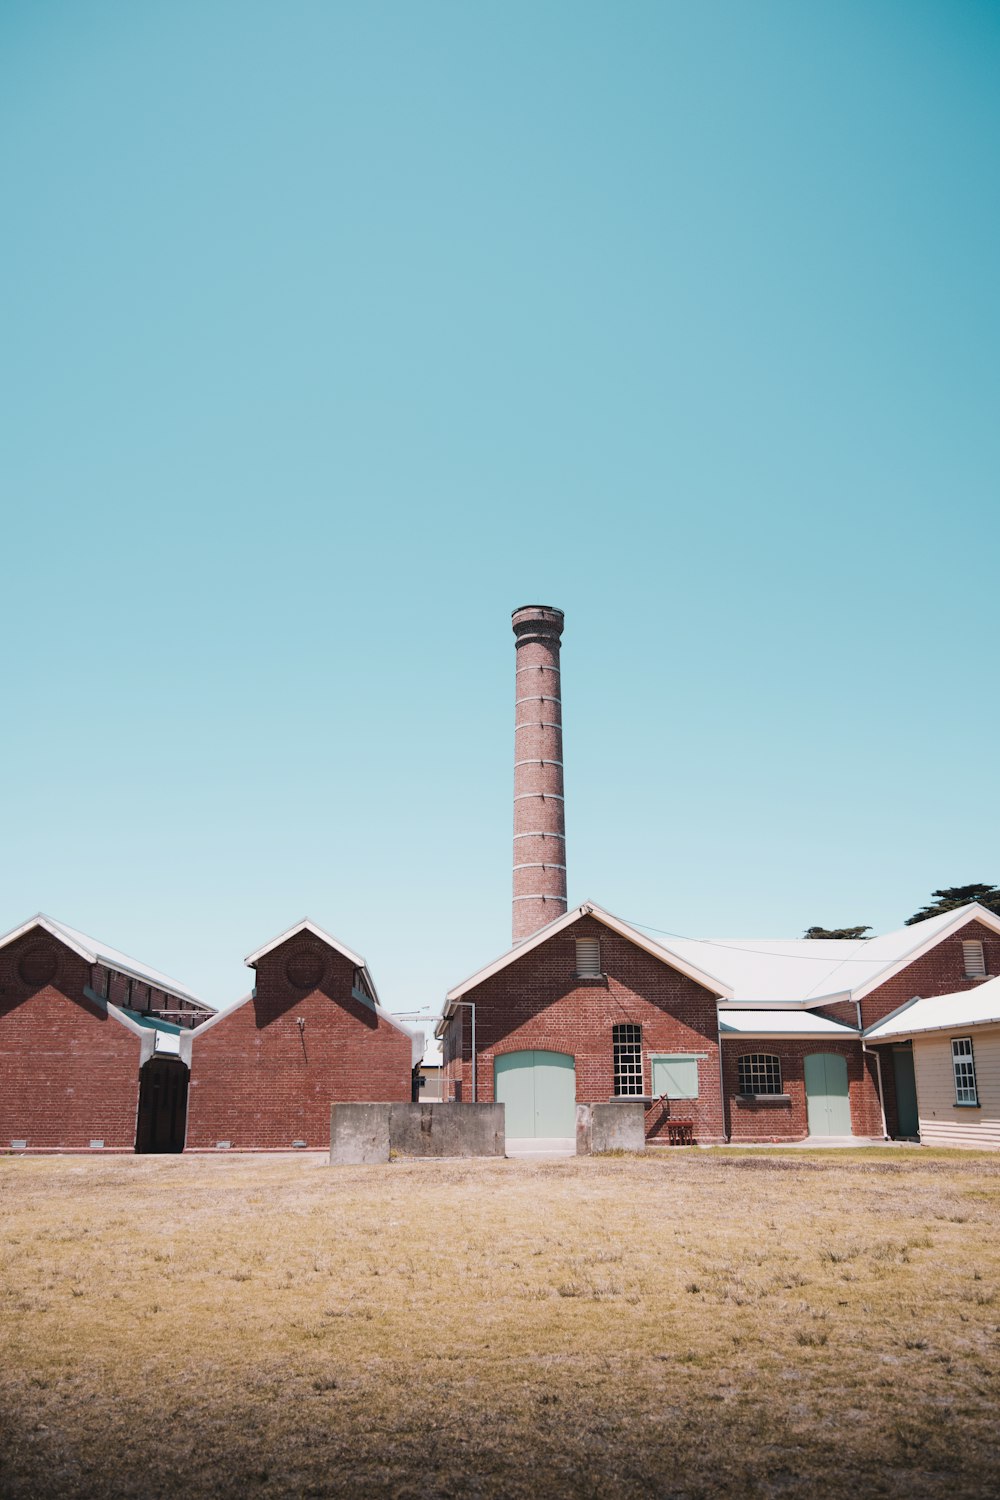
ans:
x=808 y=971
x=307 y=926
x=93 y=952
x=978 y=1007
x=669 y=956
x=780 y=1023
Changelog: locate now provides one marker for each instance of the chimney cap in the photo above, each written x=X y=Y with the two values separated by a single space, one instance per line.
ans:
x=546 y=616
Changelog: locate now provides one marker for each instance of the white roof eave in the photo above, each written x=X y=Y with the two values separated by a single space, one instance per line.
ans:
x=614 y=924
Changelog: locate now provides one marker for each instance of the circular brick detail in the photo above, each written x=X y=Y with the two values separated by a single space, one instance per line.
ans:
x=38 y=966
x=305 y=968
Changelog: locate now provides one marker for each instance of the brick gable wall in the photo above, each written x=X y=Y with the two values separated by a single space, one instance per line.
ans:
x=69 y=1072
x=536 y=1003
x=261 y=1081
x=941 y=971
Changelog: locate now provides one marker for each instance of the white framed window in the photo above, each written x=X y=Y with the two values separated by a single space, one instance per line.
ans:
x=627 y=1045
x=964 y=1063
x=975 y=958
x=759 y=1073
x=588 y=956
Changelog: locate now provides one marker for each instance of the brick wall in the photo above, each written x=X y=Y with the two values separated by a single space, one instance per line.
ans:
x=939 y=972
x=536 y=1003
x=69 y=1073
x=261 y=1081
x=787 y=1120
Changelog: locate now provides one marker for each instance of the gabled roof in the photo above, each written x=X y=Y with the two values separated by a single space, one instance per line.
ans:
x=372 y=1000
x=93 y=952
x=318 y=932
x=666 y=955
x=781 y=1023
x=978 y=1007
x=807 y=972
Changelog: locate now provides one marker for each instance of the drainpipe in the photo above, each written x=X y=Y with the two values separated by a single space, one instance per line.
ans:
x=722 y=1076
x=471 y=1005
x=873 y=1051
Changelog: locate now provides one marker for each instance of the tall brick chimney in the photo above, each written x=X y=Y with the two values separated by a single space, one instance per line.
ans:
x=539 y=817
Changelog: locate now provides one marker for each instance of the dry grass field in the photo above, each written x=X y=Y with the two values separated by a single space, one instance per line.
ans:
x=694 y=1324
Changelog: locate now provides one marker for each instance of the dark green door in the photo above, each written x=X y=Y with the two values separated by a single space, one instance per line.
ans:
x=827 y=1101
x=906 y=1091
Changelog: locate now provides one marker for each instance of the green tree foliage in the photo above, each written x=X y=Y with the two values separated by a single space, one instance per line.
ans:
x=836 y=932
x=953 y=896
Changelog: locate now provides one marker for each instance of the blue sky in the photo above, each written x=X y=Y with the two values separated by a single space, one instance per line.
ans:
x=332 y=333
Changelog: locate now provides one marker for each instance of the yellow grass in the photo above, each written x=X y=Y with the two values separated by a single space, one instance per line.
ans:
x=692 y=1324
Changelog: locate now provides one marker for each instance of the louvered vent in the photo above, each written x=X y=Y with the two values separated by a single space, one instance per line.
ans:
x=975 y=961
x=588 y=956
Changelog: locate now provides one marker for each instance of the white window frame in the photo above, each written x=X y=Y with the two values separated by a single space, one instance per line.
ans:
x=963 y=1064
x=628 y=1051
x=974 y=958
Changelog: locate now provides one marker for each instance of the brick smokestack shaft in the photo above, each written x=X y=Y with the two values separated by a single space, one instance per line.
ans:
x=539 y=808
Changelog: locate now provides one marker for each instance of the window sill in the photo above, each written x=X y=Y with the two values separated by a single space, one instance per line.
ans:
x=631 y=1099
x=590 y=978
x=764 y=1098
x=965 y=1104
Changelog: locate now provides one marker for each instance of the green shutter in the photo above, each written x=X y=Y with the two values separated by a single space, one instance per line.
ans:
x=677 y=1077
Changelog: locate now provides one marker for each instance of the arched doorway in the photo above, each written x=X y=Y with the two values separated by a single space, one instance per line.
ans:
x=538 y=1091
x=163 y=1090
x=827 y=1100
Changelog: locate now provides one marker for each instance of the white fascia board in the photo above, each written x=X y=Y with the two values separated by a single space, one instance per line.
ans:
x=220 y=1015
x=95 y=953
x=615 y=924
x=307 y=926
x=962 y=917
x=848 y=1032
x=49 y=925
x=763 y=1002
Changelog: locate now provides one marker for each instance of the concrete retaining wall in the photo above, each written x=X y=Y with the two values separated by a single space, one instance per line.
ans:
x=618 y=1126
x=361 y=1133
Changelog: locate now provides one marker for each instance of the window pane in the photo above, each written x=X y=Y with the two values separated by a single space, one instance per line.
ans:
x=759 y=1073
x=627 y=1043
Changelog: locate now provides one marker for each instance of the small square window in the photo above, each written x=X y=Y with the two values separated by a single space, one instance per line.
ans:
x=759 y=1073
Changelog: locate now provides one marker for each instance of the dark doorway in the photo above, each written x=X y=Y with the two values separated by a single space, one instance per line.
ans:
x=163 y=1089
x=907 y=1116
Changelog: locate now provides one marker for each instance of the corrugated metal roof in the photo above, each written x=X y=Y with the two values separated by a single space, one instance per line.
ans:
x=805 y=971
x=780 y=1023
x=978 y=1007
x=94 y=952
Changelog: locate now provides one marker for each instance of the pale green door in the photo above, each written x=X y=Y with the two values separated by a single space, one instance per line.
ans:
x=538 y=1091
x=827 y=1100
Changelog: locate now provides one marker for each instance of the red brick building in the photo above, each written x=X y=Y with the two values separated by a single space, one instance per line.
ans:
x=761 y=1040
x=265 y=1072
x=585 y=1010
x=743 y=1040
x=91 y=1045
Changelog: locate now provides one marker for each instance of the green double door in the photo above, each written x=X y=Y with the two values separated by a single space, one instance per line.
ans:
x=827 y=1102
x=538 y=1091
